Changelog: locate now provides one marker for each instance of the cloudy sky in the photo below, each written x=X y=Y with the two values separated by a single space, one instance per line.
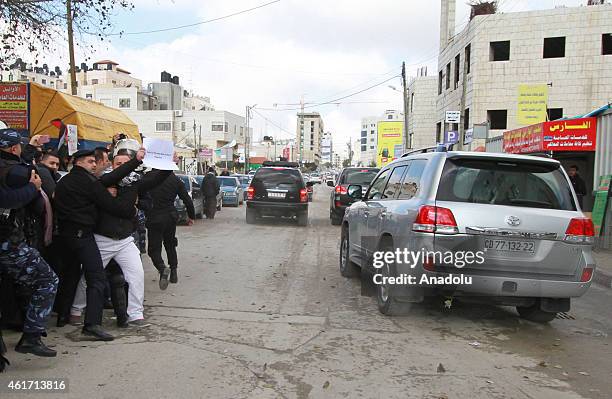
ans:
x=319 y=49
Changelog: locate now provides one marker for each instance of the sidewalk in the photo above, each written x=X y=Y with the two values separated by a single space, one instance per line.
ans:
x=603 y=272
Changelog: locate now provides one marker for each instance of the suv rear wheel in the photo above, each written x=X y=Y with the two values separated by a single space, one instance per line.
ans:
x=534 y=313
x=348 y=268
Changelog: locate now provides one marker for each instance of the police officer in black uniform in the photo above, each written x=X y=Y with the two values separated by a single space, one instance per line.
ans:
x=78 y=196
x=161 y=226
x=19 y=261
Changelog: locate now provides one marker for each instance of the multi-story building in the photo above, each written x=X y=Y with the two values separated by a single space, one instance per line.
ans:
x=569 y=49
x=326 y=148
x=308 y=136
x=22 y=72
x=369 y=135
x=422 y=111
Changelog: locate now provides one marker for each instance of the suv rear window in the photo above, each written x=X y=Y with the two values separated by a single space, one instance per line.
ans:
x=278 y=178
x=358 y=176
x=505 y=182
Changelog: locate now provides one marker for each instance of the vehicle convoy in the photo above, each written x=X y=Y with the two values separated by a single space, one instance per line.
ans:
x=278 y=189
x=519 y=212
x=199 y=179
x=231 y=189
x=193 y=189
x=340 y=200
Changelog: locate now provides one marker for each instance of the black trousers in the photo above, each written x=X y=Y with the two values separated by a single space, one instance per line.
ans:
x=76 y=253
x=163 y=230
x=210 y=207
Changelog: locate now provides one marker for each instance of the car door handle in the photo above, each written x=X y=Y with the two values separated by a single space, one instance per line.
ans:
x=383 y=214
x=366 y=213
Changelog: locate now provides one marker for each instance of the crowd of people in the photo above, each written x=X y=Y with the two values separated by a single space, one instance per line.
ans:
x=72 y=232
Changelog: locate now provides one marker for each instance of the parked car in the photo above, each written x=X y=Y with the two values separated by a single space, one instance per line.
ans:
x=199 y=179
x=278 y=191
x=232 y=190
x=193 y=188
x=339 y=200
x=245 y=180
x=315 y=178
x=520 y=211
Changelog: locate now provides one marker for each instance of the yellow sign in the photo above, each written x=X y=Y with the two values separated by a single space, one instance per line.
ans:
x=532 y=104
x=390 y=142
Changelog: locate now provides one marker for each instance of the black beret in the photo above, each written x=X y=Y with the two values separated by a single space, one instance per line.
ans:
x=83 y=153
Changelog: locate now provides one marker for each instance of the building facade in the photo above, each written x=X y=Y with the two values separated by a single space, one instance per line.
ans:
x=369 y=135
x=327 y=148
x=480 y=69
x=422 y=111
x=309 y=132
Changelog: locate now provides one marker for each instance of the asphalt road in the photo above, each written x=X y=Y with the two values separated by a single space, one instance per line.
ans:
x=261 y=311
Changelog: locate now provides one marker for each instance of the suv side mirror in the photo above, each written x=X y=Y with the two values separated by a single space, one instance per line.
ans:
x=354 y=191
x=330 y=183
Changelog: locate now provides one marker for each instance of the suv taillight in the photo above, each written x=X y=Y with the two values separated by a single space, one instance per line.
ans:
x=580 y=231
x=250 y=193
x=303 y=195
x=435 y=219
x=341 y=189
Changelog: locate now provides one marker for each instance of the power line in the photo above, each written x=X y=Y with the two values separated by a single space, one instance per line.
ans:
x=196 y=23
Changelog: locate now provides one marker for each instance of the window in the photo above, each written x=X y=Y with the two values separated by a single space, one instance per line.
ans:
x=440 y=82
x=311 y=123
x=364 y=148
x=412 y=180
x=94 y=81
x=554 y=113
x=312 y=130
x=448 y=74
x=606 y=44
x=217 y=126
x=10 y=78
x=499 y=51
x=372 y=139
x=364 y=133
x=376 y=189
x=65 y=86
x=183 y=126
x=373 y=132
x=389 y=116
x=241 y=130
x=364 y=140
x=124 y=103
x=371 y=147
x=226 y=127
x=163 y=126
x=468 y=58
x=457 y=63
x=394 y=184
x=44 y=81
x=88 y=96
x=498 y=119
x=466 y=119
x=554 y=47
x=438 y=132
x=411 y=101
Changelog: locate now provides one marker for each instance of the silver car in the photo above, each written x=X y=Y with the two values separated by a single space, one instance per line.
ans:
x=518 y=212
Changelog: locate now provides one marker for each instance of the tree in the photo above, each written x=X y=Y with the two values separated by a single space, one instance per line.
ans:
x=34 y=26
x=346 y=163
x=373 y=164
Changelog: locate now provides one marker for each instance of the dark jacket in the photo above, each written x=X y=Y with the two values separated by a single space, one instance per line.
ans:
x=120 y=227
x=163 y=200
x=579 y=185
x=78 y=198
x=210 y=185
x=49 y=179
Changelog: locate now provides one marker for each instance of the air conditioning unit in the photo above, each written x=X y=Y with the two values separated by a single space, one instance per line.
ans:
x=178 y=113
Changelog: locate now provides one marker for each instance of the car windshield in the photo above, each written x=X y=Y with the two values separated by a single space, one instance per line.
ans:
x=185 y=180
x=277 y=178
x=227 y=181
x=358 y=176
x=505 y=182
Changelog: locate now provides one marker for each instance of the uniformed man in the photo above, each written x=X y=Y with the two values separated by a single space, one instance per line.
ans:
x=78 y=198
x=18 y=260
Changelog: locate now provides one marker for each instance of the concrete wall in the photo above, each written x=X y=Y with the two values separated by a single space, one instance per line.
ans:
x=422 y=96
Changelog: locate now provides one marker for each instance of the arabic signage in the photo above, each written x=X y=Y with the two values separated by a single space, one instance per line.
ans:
x=389 y=138
x=452 y=117
x=566 y=135
x=206 y=153
x=14 y=105
x=532 y=103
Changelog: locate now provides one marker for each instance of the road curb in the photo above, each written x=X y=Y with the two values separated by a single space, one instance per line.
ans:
x=602 y=278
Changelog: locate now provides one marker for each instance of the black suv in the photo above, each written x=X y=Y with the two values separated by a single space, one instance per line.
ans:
x=339 y=197
x=278 y=189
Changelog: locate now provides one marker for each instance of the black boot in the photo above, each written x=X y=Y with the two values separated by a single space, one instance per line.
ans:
x=163 y=278
x=97 y=333
x=173 y=275
x=31 y=343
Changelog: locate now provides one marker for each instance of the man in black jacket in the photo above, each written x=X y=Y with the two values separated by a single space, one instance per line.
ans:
x=78 y=198
x=577 y=183
x=161 y=226
x=47 y=169
x=210 y=189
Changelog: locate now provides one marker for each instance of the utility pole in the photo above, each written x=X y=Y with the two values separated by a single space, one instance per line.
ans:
x=247 y=141
x=195 y=145
x=301 y=147
x=201 y=169
x=73 y=83
x=407 y=139
x=462 y=121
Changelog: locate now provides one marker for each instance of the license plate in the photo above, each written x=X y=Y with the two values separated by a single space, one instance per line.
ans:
x=276 y=195
x=509 y=245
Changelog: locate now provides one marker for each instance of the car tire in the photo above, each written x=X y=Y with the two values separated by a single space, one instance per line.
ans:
x=220 y=205
x=348 y=268
x=387 y=303
x=535 y=314
x=251 y=216
x=302 y=219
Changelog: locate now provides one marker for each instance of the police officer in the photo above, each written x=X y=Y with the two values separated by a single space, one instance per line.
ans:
x=19 y=261
x=161 y=226
x=78 y=196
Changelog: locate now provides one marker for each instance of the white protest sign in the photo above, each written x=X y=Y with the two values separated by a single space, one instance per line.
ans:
x=159 y=154
x=73 y=138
